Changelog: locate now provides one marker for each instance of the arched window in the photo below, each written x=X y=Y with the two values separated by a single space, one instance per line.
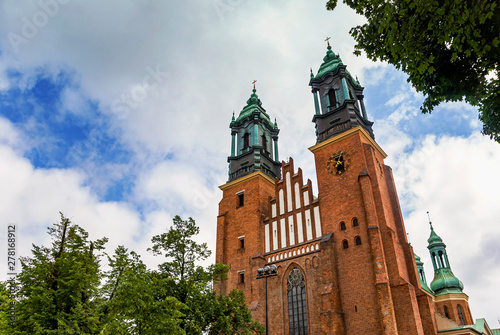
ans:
x=440 y=253
x=342 y=225
x=264 y=143
x=345 y=244
x=332 y=98
x=246 y=140
x=422 y=278
x=355 y=222
x=460 y=315
x=297 y=306
x=446 y=313
x=358 y=240
x=350 y=95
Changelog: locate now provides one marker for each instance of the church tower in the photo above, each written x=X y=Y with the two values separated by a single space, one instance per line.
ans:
x=360 y=206
x=344 y=264
x=253 y=169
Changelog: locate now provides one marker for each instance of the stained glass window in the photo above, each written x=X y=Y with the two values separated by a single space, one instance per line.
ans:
x=297 y=306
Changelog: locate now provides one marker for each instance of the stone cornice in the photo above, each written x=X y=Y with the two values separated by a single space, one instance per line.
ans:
x=246 y=178
x=349 y=133
x=451 y=296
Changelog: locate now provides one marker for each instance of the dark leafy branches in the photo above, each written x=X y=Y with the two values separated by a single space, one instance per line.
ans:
x=448 y=48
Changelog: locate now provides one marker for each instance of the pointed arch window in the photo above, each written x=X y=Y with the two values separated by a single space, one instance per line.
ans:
x=460 y=314
x=332 y=98
x=297 y=306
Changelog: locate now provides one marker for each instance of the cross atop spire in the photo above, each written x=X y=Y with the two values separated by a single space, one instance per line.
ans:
x=430 y=223
x=327 y=40
x=253 y=82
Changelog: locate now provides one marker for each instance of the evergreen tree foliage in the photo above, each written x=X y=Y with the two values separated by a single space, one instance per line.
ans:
x=59 y=286
x=448 y=48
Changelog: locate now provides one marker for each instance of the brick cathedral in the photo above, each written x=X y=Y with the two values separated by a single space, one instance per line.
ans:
x=344 y=264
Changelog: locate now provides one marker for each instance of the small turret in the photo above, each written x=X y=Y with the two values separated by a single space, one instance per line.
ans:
x=444 y=280
x=421 y=274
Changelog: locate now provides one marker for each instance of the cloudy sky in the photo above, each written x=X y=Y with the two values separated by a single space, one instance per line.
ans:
x=117 y=114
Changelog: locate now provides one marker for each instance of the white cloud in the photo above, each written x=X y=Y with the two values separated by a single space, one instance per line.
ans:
x=31 y=198
x=9 y=135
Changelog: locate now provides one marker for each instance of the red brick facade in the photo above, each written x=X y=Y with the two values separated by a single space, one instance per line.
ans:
x=349 y=243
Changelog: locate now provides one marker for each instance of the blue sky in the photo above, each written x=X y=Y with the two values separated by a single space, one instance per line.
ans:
x=117 y=114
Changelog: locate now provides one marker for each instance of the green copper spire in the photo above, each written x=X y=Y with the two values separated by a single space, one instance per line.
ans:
x=254 y=105
x=434 y=239
x=330 y=62
x=444 y=281
x=254 y=99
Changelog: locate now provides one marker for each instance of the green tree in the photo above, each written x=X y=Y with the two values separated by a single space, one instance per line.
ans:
x=62 y=289
x=231 y=316
x=5 y=308
x=448 y=48
x=191 y=284
x=59 y=286
x=130 y=299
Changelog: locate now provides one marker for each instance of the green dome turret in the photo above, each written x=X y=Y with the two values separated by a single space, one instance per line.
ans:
x=444 y=281
x=421 y=274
